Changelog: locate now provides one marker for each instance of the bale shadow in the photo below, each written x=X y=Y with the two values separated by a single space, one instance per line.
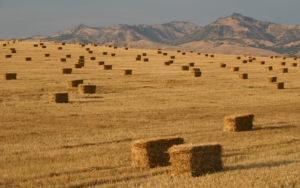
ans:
x=276 y=127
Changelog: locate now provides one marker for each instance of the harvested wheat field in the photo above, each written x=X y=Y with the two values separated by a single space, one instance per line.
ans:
x=86 y=142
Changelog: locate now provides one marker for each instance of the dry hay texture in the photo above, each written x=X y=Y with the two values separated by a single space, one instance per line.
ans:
x=83 y=89
x=195 y=160
x=237 y=123
x=150 y=153
x=59 y=97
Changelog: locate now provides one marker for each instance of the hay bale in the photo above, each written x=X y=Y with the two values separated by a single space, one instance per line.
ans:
x=167 y=63
x=113 y=55
x=262 y=62
x=28 y=59
x=74 y=83
x=271 y=57
x=125 y=48
x=81 y=64
x=250 y=60
x=138 y=58
x=63 y=43
x=178 y=51
x=195 y=160
x=101 y=63
x=83 y=89
x=144 y=54
x=35 y=45
x=206 y=55
x=59 y=97
x=106 y=67
x=81 y=57
x=195 y=70
x=282 y=63
x=237 y=123
x=12 y=49
x=77 y=66
x=172 y=57
x=278 y=85
x=59 y=48
x=9 y=76
x=196 y=74
x=191 y=52
x=8 y=56
x=44 y=47
x=171 y=61
x=47 y=55
x=283 y=58
x=66 y=70
x=90 y=52
x=3 y=45
x=184 y=67
x=294 y=64
x=159 y=49
x=222 y=65
x=243 y=76
x=183 y=53
x=82 y=45
x=68 y=56
x=87 y=49
x=295 y=58
x=245 y=61
x=284 y=70
x=150 y=153
x=63 y=59
x=92 y=58
x=80 y=61
x=146 y=59
x=158 y=52
x=235 y=69
x=104 y=53
x=191 y=64
x=212 y=55
x=238 y=57
x=165 y=54
x=126 y=72
x=269 y=68
x=115 y=47
x=198 y=53
x=271 y=79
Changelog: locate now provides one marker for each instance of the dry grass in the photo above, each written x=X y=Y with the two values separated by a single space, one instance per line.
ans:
x=86 y=142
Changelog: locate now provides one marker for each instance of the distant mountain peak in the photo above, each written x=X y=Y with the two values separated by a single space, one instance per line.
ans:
x=237 y=15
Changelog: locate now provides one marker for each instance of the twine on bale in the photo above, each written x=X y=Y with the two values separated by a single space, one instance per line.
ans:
x=236 y=123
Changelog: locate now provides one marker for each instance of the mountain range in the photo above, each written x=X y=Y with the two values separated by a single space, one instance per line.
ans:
x=232 y=34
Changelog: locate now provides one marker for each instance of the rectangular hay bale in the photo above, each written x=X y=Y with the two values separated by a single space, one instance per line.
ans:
x=236 y=123
x=86 y=88
x=59 y=97
x=9 y=76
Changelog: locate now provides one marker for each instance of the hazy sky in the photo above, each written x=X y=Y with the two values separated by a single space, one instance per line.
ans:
x=20 y=18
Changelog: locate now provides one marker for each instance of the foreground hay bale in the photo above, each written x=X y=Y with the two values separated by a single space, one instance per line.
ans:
x=222 y=65
x=66 y=70
x=269 y=68
x=278 y=85
x=127 y=72
x=235 y=69
x=236 y=123
x=184 y=67
x=106 y=67
x=272 y=79
x=84 y=89
x=74 y=83
x=150 y=153
x=28 y=59
x=243 y=76
x=195 y=160
x=59 y=97
x=9 y=76
x=284 y=70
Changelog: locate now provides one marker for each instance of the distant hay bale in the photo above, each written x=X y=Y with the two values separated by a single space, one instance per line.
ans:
x=66 y=70
x=278 y=85
x=235 y=69
x=191 y=51
x=245 y=61
x=74 y=83
x=150 y=153
x=115 y=47
x=271 y=57
x=106 y=67
x=158 y=49
x=212 y=55
x=254 y=58
x=125 y=48
x=59 y=97
x=81 y=64
x=63 y=59
x=63 y=43
x=101 y=63
x=68 y=56
x=44 y=46
x=269 y=68
x=282 y=63
x=77 y=66
x=191 y=64
x=82 y=45
x=166 y=63
x=172 y=57
x=271 y=79
x=198 y=53
x=262 y=62
x=104 y=53
x=127 y=72
x=183 y=53
x=243 y=76
x=90 y=52
x=294 y=64
x=196 y=74
x=28 y=59
x=3 y=45
x=295 y=58
x=178 y=51
x=144 y=54
x=92 y=58
x=109 y=46
x=158 y=52
x=146 y=59
x=41 y=44
x=222 y=65
x=35 y=45
x=195 y=69
x=59 y=48
x=81 y=57
x=165 y=54
x=250 y=60
x=87 y=49
x=13 y=51
x=8 y=56
x=171 y=61
x=237 y=123
x=184 y=67
x=95 y=45
x=275 y=56
x=206 y=55
x=238 y=57
x=284 y=70
x=113 y=54
x=195 y=160
x=138 y=58
x=84 y=89
x=80 y=61
x=47 y=55
x=9 y=76
x=283 y=58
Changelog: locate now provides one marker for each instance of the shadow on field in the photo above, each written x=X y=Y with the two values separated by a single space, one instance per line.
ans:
x=95 y=144
x=276 y=127
x=259 y=165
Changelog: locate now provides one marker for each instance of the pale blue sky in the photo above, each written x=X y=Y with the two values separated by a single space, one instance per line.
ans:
x=20 y=18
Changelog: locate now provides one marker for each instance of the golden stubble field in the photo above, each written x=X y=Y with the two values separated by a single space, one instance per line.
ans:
x=87 y=142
